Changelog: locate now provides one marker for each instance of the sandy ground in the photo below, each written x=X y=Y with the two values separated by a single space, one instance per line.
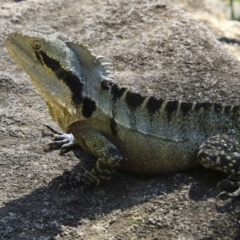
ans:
x=171 y=206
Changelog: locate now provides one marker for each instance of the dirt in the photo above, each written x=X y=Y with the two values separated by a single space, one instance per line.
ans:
x=171 y=206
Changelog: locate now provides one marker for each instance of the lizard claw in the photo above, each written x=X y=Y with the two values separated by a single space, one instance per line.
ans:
x=65 y=141
x=84 y=180
x=223 y=196
x=230 y=188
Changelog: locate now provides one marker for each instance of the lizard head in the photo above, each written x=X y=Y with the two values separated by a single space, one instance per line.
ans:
x=60 y=69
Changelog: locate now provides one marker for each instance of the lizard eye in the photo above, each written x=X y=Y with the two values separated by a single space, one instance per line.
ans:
x=36 y=45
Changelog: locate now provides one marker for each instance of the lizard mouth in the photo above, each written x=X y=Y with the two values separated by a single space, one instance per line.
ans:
x=19 y=53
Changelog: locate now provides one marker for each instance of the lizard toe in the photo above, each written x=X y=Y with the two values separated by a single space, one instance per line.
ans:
x=68 y=179
x=229 y=189
x=65 y=141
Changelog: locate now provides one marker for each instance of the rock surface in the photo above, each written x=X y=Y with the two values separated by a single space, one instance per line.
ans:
x=171 y=206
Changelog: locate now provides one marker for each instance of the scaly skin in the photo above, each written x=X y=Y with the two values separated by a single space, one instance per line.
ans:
x=144 y=134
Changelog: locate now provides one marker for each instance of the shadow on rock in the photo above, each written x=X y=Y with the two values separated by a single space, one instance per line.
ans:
x=42 y=212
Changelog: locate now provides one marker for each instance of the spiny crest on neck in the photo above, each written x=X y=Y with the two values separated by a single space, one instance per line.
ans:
x=94 y=69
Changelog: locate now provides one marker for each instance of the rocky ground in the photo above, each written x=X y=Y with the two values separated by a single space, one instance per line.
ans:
x=171 y=206
x=215 y=15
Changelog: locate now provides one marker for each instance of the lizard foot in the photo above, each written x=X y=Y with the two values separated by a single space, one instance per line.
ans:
x=60 y=139
x=83 y=179
x=221 y=153
x=229 y=188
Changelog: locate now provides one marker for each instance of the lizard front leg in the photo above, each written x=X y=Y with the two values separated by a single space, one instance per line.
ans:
x=109 y=158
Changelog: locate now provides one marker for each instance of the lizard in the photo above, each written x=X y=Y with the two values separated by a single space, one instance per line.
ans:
x=122 y=127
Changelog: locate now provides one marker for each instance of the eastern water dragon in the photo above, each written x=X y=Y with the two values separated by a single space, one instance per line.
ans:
x=144 y=132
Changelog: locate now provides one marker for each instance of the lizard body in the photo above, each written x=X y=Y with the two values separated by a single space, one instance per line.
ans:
x=140 y=132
